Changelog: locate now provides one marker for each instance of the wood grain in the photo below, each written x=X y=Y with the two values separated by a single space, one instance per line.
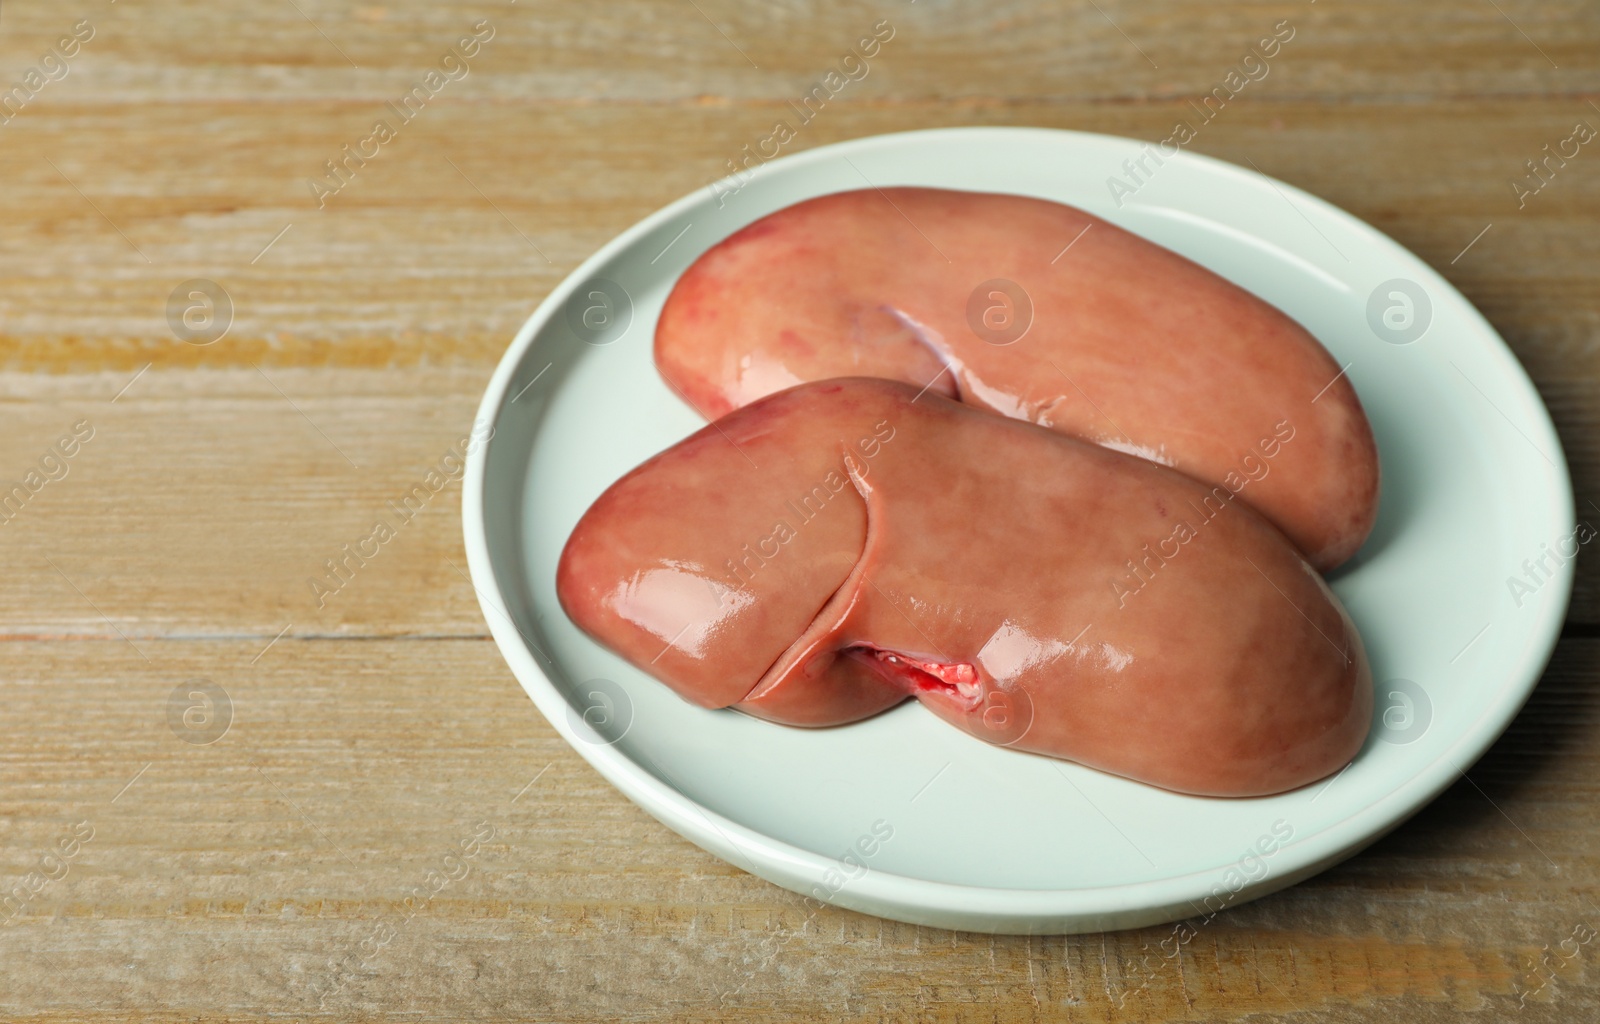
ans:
x=372 y=736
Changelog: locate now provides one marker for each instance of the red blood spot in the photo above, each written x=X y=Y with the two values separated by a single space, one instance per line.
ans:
x=956 y=680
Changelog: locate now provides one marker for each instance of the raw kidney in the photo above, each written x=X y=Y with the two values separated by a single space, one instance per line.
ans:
x=823 y=553
x=1041 y=312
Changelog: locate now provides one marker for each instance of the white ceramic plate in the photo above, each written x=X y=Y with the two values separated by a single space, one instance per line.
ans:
x=905 y=817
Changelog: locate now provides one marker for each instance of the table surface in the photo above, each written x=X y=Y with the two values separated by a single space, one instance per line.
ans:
x=377 y=740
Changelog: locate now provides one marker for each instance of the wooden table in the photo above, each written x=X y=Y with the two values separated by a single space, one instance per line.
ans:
x=375 y=736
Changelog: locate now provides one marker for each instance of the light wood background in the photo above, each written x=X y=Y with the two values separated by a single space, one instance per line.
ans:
x=236 y=880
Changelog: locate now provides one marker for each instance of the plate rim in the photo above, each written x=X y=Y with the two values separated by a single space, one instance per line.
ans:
x=979 y=907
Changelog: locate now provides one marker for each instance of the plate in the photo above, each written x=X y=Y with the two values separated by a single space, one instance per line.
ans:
x=903 y=816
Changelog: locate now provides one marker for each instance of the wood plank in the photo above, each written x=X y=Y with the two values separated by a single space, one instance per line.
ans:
x=206 y=501
x=352 y=768
x=723 y=51
x=410 y=262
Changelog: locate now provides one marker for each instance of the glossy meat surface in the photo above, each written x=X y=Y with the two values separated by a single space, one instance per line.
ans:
x=1126 y=343
x=820 y=555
